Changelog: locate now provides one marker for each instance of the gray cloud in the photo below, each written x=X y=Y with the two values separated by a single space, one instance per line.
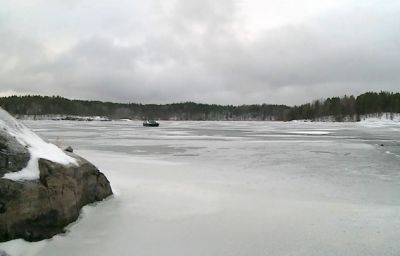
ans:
x=196 y=50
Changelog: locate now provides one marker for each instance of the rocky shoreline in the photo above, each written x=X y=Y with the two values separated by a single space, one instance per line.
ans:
x=36 y=209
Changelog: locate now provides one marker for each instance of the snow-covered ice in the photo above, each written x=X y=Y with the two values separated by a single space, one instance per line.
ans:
x=233 y=188
x=311 y=132
x=36 y=147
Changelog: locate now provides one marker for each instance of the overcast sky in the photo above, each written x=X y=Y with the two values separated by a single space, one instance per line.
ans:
x=211 y=51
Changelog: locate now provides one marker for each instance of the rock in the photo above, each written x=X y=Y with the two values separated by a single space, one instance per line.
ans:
x=69 y=149
x=36 y=210
x=13 y=156
x=41 y=206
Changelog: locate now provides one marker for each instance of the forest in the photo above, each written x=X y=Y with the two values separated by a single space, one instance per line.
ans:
x=347 y=107
x=56 y=105
x=336 y=108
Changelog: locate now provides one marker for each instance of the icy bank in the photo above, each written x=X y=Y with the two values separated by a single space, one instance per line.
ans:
x=58 y=117
x=384 y=118
x=387 y=118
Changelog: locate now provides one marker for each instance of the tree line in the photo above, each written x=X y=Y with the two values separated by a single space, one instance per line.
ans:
x=337 y=108
x=347 y=107
x=56 y=105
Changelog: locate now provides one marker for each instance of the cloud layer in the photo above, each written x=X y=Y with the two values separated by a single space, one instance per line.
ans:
x=227 y=51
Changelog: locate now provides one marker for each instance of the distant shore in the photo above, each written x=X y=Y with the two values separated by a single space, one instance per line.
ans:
x=375 y=117
x=339 y=109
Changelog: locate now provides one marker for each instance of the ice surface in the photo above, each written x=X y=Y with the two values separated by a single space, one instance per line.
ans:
x=311 y=132
x=36 y=146
x=233 y=188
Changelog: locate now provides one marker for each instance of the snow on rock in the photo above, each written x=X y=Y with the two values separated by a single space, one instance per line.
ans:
x=37 y=148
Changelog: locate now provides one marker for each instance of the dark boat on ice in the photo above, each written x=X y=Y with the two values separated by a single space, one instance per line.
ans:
x=151 y=123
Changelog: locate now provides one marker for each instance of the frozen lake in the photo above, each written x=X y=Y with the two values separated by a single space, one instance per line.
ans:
x=233 y=188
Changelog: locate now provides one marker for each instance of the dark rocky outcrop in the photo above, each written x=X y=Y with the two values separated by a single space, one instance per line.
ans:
x=35 y=210
x=13 y=156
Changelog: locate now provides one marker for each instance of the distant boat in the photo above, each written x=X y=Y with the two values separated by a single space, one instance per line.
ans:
x=152 y=123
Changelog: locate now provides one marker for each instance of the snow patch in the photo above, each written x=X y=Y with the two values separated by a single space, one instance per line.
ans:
x=19 y=247
x=37 y=148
